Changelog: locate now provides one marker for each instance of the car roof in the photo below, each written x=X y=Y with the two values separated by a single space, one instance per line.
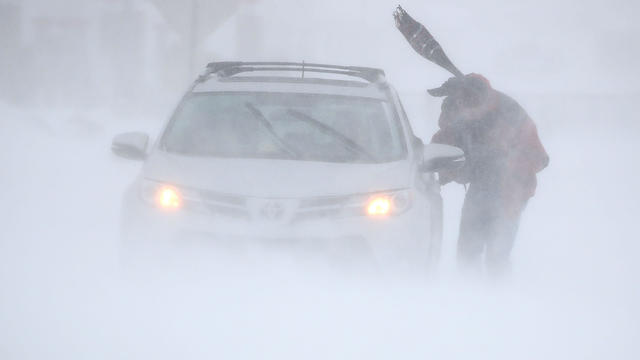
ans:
x=287 y=77
x=289 y=84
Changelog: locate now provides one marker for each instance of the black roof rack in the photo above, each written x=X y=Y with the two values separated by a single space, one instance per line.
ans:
x=230 y=68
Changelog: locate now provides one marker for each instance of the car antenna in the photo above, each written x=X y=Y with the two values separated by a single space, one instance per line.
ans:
x=303 y=69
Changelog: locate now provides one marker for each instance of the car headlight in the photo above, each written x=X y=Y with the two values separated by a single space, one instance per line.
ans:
x=385 y=204
x=163 y=196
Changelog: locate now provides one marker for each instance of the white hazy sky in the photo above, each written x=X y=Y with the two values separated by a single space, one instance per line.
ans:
x=537 y=46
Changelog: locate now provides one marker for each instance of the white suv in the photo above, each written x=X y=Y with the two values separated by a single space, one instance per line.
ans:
x=311 y=156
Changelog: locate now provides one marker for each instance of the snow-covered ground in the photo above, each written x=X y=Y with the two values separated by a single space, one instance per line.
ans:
x=573 y=294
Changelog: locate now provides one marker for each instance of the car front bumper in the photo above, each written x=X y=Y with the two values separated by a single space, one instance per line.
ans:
x=409 y=234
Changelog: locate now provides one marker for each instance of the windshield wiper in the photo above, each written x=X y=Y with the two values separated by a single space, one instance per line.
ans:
x=344 y=140
x=259 y=116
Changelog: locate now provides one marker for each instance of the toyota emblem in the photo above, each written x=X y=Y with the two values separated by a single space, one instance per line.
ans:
x=273 y=211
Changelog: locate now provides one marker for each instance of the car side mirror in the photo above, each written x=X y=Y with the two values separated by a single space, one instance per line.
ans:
x=438 y=157
x=130 y=145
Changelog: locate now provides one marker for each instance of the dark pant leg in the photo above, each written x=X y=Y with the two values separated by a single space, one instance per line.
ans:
x=502 y=237
x=478 y=214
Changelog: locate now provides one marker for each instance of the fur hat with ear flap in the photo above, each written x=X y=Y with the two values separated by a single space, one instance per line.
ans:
x=474 y=83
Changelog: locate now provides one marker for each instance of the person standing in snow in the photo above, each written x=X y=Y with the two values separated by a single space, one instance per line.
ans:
x=502 y=149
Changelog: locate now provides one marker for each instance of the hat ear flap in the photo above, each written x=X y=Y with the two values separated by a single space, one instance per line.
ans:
x=437 y=92
x=450 y=87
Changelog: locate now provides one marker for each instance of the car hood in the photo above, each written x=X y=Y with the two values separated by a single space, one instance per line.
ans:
x=276 y=178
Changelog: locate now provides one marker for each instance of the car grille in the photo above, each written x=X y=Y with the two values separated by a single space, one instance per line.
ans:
x=216 y=204
x=283 y=210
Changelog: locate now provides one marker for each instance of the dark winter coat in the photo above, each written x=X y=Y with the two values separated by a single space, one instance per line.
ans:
x=500 y=141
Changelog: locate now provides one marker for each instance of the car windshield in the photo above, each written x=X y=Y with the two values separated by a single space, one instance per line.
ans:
x=307 y=127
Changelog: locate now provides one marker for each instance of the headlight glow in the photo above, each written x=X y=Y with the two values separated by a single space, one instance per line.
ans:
x=392 y=203
x=168 y=198
x=379 y=206
x=161 y=195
